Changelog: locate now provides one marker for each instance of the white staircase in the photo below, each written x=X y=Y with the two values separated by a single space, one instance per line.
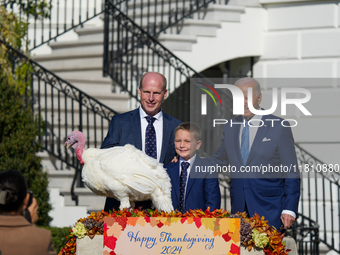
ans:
x=80 y=62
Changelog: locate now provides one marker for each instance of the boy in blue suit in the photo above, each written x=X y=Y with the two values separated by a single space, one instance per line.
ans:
x=191 y=189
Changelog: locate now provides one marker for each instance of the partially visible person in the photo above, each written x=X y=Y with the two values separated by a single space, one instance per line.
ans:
x=17 y=235
x=148 y=128
x=191 y=189
x=248 y=144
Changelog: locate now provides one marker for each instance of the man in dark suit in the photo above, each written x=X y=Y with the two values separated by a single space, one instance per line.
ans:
x=198 y=189
x=257 y=144
x=134 y=127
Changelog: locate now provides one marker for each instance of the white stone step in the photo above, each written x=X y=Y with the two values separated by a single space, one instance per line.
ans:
x=64 y=216
x=117 y=102
x=226 y=13
x=84 y=64
x=99 y=89
x=90 y=33
x=200 y=27
x=177 y=41
x=90 y=79
x=85 y=197
x=79 y=46
x=65 y=55
x=65 y=114
x=140 y=3
x=213 y=11
x=89 y=75
x=70 y=64
x=73 y=66
x=46 y=161
x=95 y=89
x=61 y=179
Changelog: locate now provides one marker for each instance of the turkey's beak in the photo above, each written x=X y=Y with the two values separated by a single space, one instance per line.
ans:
x=67 y=145
x=70 y=142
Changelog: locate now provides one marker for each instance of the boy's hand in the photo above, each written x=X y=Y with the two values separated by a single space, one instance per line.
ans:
x=175 y=159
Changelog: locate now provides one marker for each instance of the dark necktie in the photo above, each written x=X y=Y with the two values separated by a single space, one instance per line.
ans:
x=182 y=184
x=245 y=143
x=150 y=138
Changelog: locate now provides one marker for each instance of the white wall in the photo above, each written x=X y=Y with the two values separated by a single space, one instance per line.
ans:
x=302 y=40
x=233 y=40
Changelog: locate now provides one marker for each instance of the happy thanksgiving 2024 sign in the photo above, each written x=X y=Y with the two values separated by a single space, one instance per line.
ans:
x=148 y=235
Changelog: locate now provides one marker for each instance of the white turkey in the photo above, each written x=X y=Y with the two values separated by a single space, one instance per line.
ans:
x=124 y=173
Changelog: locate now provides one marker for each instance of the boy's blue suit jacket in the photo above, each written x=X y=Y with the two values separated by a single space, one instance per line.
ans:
x=200 y=192
x=125 y=129
x=272 y=146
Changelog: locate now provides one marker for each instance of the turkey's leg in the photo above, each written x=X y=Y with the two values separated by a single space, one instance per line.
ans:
x=124 y=203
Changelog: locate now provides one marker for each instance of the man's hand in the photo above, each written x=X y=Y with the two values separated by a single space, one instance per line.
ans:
x=175 y=159
x=33 y=209
x=287 y=220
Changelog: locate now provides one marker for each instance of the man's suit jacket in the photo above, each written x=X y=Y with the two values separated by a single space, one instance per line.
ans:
x=18 y=236
x=272 y=146
x=201 y=192
x=126 y=129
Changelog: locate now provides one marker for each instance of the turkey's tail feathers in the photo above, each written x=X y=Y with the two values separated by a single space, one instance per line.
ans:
x=162 y=201
x=161 y=197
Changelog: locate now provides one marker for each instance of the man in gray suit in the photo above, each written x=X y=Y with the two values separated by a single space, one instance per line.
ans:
x=133 y=127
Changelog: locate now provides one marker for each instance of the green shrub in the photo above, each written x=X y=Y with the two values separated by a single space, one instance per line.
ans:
x=59 y=237
x=18 y=130
x=18 y=148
